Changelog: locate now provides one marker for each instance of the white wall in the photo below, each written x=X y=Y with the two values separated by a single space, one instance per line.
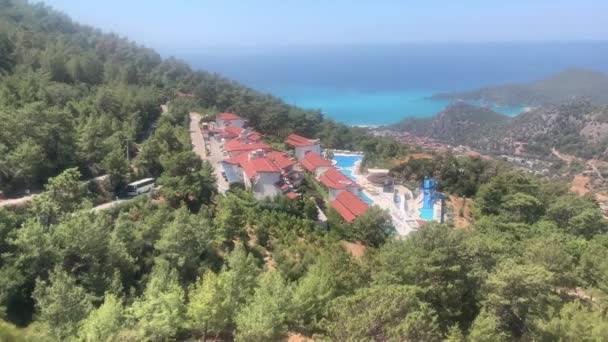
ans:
x=246 y=181
x=221 y=124
x=234 y=173
x=301 y=151
x=265 y=185
x=333 y=193
x=321 y=170
x=354 y=189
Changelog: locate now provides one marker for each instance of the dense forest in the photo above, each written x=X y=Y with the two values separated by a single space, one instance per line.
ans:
x=577 y=127
x=190 y=264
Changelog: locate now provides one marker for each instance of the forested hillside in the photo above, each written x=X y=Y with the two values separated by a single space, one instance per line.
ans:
x=72 y=96
x=190 y=264
x=457 y=123
x=576 y=127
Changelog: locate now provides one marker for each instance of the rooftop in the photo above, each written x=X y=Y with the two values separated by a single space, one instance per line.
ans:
x=236 y=145
x=258 y=165
x=228 y=116
x=238 y=159
x=312 y=161
x=349 y=206
x=232 y=131
x=255 y=137
x=334 y=179
x=292 y=195
x=280 y=159
x=252 y=165
x=299 y=141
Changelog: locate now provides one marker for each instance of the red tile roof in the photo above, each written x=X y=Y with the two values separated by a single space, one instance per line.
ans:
x=292 y=195
x=334 y=179
x=229 y=116
x=255 y=136
x=238 y=159
x=280 y=159
x=232 y=131
x=349 y=206
x=258 y=165
x=312 y=161
x=237 y=146
x=299 y=141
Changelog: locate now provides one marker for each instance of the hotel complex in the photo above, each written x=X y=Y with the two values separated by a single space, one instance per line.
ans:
x=267 y=172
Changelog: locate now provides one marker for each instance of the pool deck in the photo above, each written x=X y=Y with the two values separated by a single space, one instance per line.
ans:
x=404 y=216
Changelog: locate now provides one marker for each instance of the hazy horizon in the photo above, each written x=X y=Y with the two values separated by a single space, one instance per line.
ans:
x=363 y=62
x=268 y=24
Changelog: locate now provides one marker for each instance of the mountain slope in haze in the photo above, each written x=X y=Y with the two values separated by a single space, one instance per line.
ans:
x=577 y=127
x=459 y=123
x=567 y=85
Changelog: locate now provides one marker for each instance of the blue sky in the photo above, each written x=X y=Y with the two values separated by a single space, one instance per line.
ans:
x=191 y=24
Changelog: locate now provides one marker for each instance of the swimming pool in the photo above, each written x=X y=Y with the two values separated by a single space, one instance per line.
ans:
x=346 y=161
x=349 y=173
x=427 y=214
x=346 y=164
x=365 y=199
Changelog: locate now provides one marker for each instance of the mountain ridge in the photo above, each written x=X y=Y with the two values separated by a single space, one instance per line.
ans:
x=453 y=124
x=576 y=127
x=570 y=84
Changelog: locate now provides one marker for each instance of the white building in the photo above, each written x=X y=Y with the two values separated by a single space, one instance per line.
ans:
x=238 y=146
x=256 y=172
x=223 y=120
x=337 y=182
x=313 y=162
x=302 y=145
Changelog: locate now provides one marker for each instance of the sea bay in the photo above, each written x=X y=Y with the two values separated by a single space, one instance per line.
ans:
x=382 y=84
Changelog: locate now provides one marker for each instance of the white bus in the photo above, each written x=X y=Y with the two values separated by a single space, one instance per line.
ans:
x=141 y=186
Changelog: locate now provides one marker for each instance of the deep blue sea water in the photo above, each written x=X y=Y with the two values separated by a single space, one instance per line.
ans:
x=374 y=85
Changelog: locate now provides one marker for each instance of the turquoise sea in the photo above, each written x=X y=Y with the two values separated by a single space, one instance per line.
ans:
x=382 y=84
x=356 y=107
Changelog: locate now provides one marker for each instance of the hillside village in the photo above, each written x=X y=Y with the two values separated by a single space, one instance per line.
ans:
x=249 y=161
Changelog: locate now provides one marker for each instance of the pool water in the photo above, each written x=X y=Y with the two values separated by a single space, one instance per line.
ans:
x=346 y=163
x=365 y=199
x=349 y=173
x=343 y=161
x=427 y=214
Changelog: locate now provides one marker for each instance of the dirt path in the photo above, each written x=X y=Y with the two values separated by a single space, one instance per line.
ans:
x=564 y=157
x=457 y=204
x=356 y=249
x=16 y=202
x=593 y=164
x=580 y=185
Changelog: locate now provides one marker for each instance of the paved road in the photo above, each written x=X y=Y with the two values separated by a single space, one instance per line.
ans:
x=196 y=136
x=214 y=157
x=216 y=161
x=111 y=204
